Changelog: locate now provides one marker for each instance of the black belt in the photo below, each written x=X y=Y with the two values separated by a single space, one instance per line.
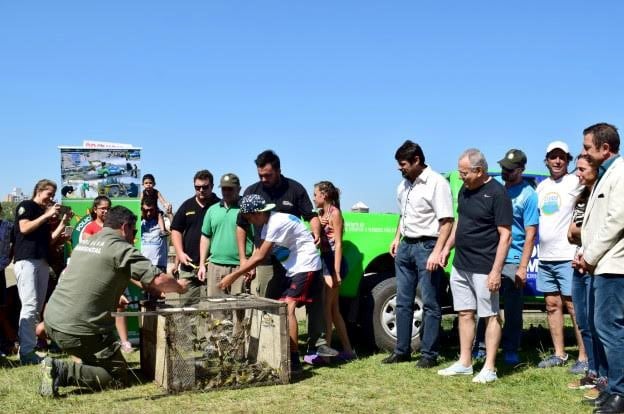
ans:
x=186 y=268
x=412 y=240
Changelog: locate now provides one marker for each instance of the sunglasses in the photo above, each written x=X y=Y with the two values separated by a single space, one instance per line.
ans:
x=202 y=187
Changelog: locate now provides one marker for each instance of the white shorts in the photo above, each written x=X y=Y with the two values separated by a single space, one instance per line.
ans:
x=470 y=292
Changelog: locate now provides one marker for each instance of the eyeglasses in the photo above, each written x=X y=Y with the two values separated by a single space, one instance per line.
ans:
x=103 y=208
x=464 y=174
x=202 y=187
x=148 y=210
x=507 y=170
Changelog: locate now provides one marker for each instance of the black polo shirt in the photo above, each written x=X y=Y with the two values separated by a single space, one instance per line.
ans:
x=288 y=196
x=188 y=220
x=480 y=211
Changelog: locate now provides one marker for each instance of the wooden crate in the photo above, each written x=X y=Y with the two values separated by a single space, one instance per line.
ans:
x=181 y=347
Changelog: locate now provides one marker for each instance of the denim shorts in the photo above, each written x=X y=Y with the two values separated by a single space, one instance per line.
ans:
x=555 y=277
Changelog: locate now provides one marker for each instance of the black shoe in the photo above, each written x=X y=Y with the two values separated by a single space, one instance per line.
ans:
x=602 y=397
x=396 y=358
x=613 y=405
x=426 y=363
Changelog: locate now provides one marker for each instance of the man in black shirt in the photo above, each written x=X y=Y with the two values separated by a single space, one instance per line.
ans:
x=186 y=233
x=289 y=197
x=482 y=237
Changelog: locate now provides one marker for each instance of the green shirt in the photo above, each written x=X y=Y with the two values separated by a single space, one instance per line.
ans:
x=220 y=227
x=96 y=276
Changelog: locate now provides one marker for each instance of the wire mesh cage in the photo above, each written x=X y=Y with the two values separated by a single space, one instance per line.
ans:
x=228 y=342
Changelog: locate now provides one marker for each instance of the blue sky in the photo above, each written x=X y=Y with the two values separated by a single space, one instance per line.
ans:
x=333 y=87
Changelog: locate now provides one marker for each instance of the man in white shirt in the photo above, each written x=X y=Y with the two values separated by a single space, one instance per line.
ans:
x=426 y=206
x=556 y=198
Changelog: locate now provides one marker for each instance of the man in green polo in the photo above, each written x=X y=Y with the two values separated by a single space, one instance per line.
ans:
x=218 y=239
x=78 y=315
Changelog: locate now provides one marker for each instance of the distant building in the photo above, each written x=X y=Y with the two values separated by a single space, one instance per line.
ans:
x=359 y=207
x=16 y=196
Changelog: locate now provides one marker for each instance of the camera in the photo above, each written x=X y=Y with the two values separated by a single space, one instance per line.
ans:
x=65 y=210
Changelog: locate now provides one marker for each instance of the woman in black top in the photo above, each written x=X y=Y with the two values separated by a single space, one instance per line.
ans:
x=33 y=237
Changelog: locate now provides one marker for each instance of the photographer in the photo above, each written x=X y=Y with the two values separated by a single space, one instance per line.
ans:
x=33 y=238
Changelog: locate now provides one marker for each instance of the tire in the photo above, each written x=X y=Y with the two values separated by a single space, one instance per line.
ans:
x=114 y=191
x=384 y=317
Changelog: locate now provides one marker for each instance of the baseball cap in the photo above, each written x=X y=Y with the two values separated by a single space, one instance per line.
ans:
x=558 y=145
x=514 y=158
x=230 y=180
x=253 y=203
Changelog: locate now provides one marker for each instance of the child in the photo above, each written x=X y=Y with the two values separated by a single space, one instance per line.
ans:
x=327 y=200
x=152 y=193
x=98 y=212
x=302 y=261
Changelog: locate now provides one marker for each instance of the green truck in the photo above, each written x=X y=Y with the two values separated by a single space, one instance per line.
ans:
x=368 y=293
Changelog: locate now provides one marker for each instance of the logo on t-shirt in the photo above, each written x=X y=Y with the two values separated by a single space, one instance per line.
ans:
x=551 y=204
x=281 y=253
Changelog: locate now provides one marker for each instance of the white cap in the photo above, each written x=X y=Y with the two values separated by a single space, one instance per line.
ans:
x=558 y=145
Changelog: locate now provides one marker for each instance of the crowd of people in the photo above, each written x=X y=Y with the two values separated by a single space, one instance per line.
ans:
x=257 y=241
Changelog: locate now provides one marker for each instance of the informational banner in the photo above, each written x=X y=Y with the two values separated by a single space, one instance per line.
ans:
x=104 y=144
x=89 y=172
x=114 y=172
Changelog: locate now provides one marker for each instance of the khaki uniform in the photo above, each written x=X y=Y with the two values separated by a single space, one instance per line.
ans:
x=77 y=316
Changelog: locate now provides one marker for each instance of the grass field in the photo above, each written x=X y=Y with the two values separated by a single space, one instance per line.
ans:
x=362 y=386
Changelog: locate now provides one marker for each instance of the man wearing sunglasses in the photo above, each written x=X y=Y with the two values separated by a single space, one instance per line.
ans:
x=523 y=232
x=556 y=199
x=186 y=233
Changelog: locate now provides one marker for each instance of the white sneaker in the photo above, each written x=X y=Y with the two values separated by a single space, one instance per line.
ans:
x=456 y=369
x=485 y=376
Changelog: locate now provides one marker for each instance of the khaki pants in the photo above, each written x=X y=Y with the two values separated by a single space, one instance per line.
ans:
x=216 y=272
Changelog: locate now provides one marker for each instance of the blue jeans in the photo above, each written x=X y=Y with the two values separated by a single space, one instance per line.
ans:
x=513 y=304
x=609 y=322
x=583 y=304
x=410 y=265
x=513 y=299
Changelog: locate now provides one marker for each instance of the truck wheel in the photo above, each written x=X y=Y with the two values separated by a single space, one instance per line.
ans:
x=113 y=191
x=384 y=316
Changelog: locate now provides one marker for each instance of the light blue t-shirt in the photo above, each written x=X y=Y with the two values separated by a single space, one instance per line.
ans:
x=525 y=214
x=153 y=245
